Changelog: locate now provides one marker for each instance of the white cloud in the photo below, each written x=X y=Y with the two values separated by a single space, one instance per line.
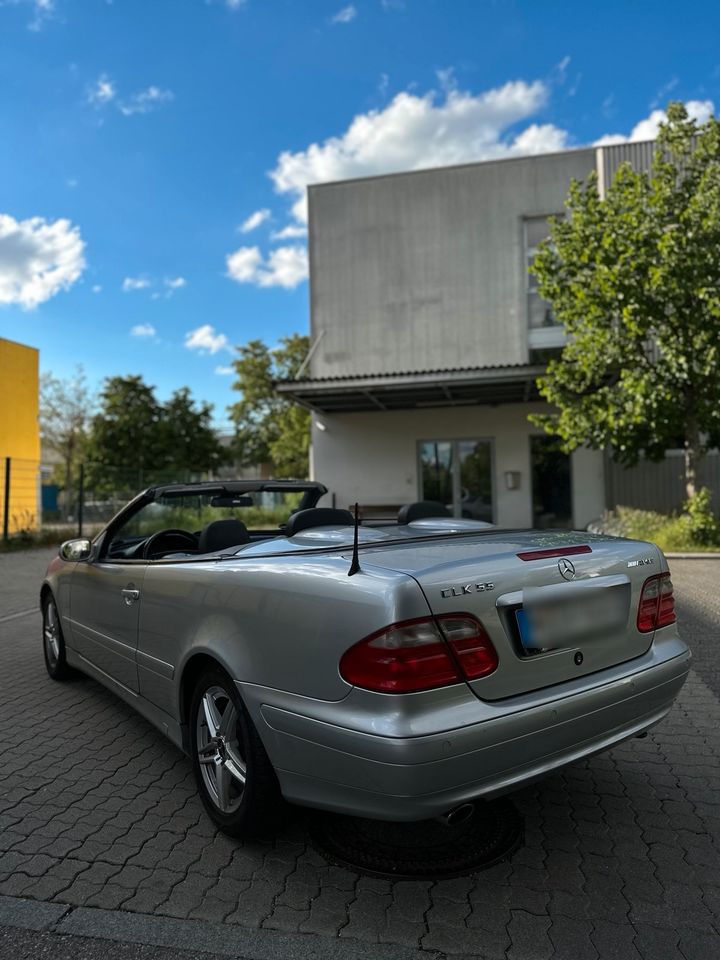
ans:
x=414 y=132
x=171 y=284
x=143 y=330
x=234 y=4
x=244 y=264
x=206 y=340
x=284 y=267
x=97 y=288
x=647 y=129
x=145 y=101
x=224 y=371
x=102 y=91
x=291 y=232
x=346 y=15
x=254 y=220
x=135 y=283
x=38 y=259
x=42 y=11
x=664 y=91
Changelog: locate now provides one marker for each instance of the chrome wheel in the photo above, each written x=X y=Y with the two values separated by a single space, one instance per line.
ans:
x=51 y=634
x=219 y=750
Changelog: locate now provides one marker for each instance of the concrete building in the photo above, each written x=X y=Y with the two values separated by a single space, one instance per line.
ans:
x=19 y=437
x=427 y=336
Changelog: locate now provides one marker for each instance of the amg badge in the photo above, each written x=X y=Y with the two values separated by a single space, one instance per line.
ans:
x=465 y=588
x=642 y=562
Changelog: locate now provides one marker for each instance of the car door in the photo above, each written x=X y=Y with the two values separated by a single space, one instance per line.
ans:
x=105 y=597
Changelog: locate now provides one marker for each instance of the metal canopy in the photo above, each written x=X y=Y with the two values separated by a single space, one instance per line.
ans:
x=404 y=391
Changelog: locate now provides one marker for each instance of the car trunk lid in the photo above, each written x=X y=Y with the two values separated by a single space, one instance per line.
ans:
x=556 y=605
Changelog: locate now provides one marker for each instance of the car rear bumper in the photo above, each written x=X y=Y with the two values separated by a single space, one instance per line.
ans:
x=351 y=771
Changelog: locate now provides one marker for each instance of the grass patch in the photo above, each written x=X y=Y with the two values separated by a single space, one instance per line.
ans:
x=29 y=539
x=674 y=533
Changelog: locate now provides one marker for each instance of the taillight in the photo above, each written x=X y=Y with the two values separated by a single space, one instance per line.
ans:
x=471 y=645
x=413 y=655
x=657 y=604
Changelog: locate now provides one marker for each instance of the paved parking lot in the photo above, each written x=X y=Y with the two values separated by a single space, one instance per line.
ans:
x=621 y=855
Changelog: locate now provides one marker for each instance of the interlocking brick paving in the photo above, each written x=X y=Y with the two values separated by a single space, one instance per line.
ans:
x=621 y=855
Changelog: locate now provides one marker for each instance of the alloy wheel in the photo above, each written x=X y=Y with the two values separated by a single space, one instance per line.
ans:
x=220 y=749
x=51 y=634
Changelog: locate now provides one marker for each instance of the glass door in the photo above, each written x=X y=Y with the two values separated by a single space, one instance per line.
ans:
x=551 y=484
x=458 y=474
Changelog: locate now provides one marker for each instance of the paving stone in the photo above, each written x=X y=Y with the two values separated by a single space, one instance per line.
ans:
x=451 y=940
x=529 y=937
x=653 y=943
x=699 y=946
x=571 y=939
x=621 y=855
x=614 y=941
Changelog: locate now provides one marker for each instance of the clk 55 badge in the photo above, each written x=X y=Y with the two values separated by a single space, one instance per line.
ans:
x=462 y=589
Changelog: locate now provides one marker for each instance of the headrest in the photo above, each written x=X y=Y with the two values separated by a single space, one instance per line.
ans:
x=422 y=509
x=220 y=534
x=318 y=517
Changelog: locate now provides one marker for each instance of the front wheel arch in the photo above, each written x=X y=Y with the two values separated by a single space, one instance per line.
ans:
x=45 y=591
x=192 y=670
x=260 y=802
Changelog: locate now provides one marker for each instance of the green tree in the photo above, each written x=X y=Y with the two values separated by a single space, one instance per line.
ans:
x=268 y=427
x=124 y=446
x=65 y=410
x=135 y=440
x=187 y=435
x=635 y=280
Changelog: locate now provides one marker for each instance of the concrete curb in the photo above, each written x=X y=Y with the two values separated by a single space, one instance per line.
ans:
x=693 y=556
x=200 y=935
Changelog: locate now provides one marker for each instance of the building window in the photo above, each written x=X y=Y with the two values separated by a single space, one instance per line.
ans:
x=543 y=328
x=458 y=474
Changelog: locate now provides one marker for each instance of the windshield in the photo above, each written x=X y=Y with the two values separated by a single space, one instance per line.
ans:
x=259 y=510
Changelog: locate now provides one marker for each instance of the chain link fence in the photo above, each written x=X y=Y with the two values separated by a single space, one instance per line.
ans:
x=34 y=507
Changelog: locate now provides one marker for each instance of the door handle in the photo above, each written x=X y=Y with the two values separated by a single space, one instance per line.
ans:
x=130 y=596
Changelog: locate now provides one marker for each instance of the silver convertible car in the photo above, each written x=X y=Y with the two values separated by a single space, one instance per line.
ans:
x=391 y=670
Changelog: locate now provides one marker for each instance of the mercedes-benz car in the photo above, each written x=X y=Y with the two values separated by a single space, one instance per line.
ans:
x=391 y=670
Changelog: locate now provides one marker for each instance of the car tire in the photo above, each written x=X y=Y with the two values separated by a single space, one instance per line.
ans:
x=54 y=641
x=236 y=781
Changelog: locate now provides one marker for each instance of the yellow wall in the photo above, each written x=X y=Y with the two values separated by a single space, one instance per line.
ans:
x=19 y=433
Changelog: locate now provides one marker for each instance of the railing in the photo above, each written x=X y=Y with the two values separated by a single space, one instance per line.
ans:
x=82 y=506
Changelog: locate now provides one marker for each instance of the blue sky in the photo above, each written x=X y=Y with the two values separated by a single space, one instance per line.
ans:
x=137 y=139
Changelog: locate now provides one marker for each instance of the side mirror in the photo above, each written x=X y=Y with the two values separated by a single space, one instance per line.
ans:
x=75 y=550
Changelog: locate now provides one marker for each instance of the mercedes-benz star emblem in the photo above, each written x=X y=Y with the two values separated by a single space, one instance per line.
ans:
x=567 y=570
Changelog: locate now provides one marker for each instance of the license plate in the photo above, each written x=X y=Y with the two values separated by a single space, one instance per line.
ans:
x=553 y=624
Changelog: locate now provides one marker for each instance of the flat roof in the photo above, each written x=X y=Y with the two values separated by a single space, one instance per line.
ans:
x=404 y=390
x=550 y=155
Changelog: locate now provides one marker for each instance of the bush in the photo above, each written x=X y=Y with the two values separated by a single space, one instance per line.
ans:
x=704 y=525
x=696 y=528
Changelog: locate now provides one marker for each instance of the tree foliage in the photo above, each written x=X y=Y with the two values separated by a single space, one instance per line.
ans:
x=635 y=280
x=134 y=439
x=65 y=411
x=271 y=429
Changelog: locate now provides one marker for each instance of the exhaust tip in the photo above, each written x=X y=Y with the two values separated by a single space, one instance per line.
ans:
x=458 y=815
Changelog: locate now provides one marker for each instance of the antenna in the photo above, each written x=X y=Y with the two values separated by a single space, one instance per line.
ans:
x=355 y=565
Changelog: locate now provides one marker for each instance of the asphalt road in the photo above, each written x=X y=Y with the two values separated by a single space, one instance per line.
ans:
x=99 y=822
